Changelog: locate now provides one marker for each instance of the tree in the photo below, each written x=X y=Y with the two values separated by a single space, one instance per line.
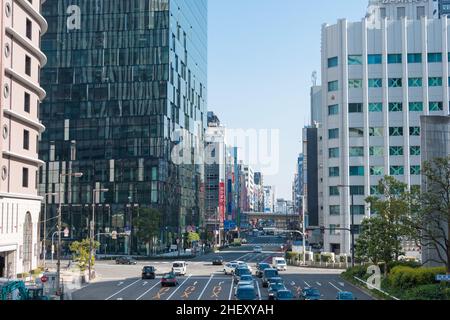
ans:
x=148 y=225
x=192 y=237
x=382 y=235
x=81 y=253
x=431 y=214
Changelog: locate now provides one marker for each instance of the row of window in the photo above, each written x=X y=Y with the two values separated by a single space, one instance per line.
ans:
x=392 y=107
x=375 y=171
x=394 y=58
x=376 y=151
x=415 y=82
x=374 y=132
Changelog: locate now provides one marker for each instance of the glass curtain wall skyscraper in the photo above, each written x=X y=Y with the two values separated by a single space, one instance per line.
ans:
x=126 y=83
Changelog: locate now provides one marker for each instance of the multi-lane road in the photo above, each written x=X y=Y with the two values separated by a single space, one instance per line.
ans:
x=204 y=281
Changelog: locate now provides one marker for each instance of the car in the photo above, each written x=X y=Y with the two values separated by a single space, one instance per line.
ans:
x=148 y=272
x=274 y=288
x=345 y=295
x=217 y=261
x=229 y=267
x=279 y=263
x=169 y=279
x=310 y=294
x=260 y=267
x=126 y=260
x=240 y=271
x=246 y=293
x=268 y=274
x=257 y=249
x=244 y=241
x=246 y=278
x=179 y=268
x=284 y=295
x=244 y=265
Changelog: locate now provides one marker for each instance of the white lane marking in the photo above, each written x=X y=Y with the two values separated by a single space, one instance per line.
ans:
x=120 y=283
x=221 y=283
x=206 y=286
x=115 y=294
x=231 y=288
x=319 y=284
x=335 y=287
x=168 y=298
x=307 y=284
x=242 y=257
x=259 y=291
x=157 y=283
x=341 y=284
x=119 y=299
x=293 y=283
x=145 y=283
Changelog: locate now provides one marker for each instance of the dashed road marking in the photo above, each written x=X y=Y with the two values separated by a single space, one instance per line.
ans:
x=147 y=291
x=231 y=288
x=318 y=283
x=307 y=284
x=335 y=287
x=179 y=287
x=144 y=284
x=259 y=291
x=206 y=286
x=341 y=284
x=122 y=289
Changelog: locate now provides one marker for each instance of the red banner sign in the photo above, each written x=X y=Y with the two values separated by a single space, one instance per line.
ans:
x=222 y=201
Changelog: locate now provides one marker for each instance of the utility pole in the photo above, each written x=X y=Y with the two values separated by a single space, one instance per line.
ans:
x=92 y=227
x=45 y=225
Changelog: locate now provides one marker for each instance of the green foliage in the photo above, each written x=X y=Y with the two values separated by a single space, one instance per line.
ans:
x=80 y=252
x=191 y=237
x=148 y=224
x=402 y=277
x=326 y=257
x=357 y=271
x=316 y=257
x=293 y=256
x=428 y=292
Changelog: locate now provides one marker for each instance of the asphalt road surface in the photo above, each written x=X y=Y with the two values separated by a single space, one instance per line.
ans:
x=204 y=281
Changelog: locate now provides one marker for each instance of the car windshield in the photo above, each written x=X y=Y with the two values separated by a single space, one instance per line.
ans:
x=263 y=266
x=169 y=276
x=246 y=277
x=245 y=293
x=346 y=296
x=243 y=271
x=280 y=261
x=149 y=269
x=285 y=294
x=276 y=286
x=312 y=292
x=219 y=258
x=270 y=273
x=177 y=265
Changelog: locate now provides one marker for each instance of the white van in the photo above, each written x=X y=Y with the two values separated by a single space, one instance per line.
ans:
x=179 y=268
x=279 y=263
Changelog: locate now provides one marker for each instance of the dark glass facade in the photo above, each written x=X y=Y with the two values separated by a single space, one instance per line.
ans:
x=123 y=91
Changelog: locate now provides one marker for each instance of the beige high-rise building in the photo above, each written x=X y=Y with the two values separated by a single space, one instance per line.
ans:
x=21 y=26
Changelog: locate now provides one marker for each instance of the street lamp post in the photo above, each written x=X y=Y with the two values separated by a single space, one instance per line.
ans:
x=45 y=224
x=352 y=226
x=303 y=230
x=58 y=265
x=92 y=227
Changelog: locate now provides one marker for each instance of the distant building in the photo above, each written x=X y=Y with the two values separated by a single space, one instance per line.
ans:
x=269 y=198
x=259 y=192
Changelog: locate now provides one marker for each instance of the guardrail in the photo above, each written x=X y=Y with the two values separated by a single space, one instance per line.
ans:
x=373 y=287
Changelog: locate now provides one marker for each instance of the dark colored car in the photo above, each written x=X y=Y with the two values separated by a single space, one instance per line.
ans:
x=217 y=261
x=284 y=295
x=148 y=272
x=311 y=294
x=246 y=293
x=260 y=269
x=345 y=295
x=268 y=274
x=240 y=271
x=125 y=260
x=274 y=287
x=169 y=279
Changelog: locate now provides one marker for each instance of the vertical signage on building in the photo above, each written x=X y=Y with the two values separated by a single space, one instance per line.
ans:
x=222 y=200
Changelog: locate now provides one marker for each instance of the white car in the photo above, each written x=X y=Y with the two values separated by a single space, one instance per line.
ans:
x=257 y=249
x=229 y=267
x=279 y=263
x=179 y=268
x=244 y=264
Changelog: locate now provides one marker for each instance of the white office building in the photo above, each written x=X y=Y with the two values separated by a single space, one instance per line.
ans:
x=379 y=75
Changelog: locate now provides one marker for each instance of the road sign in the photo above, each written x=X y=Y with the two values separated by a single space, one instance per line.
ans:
x=114 y=235
x=443 y=277
x=44 y=279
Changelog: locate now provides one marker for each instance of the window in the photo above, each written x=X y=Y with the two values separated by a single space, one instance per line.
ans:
x=29 y=29
x=397 y=170
x=374 y=59
x=420 y=12
x=333 y=134
x=415 y=82
x=26 y=139
x=356 y=171
x=436 y=106
x=414 y=58
x=376 y=151
x=416 y=106
x=376 y=171
x=394 y=58
x=395 y=107
x=333 y=152
x=357 y=190
x=375 y=107
x=383 y=13
x=25 y=177
x=415 y=170
x=356 y=132
x=375 y=83
x=435 y=82
x=435 y=57
x=334 y=191
x=333 y=62
x=333 y=86
x=334 y=171
x=401 y=13
x=355 y=83
x=356 y=151
x=395 y=82
x=26 y=102
x=376 y=131
x=396 y=131
x=358 y=210
x=355 y=107
x=354 y=59
x=414 y=131
x=333 y=228
x=414 y=150
x=28 y=65
x=335 y=210
x=333 y=109
x=375 y=191
x=396 y=151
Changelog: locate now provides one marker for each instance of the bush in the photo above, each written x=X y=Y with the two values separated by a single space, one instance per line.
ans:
x=23 y=275
x=37 y=271
x=317 y=257
x=428 y=292
x=293 y=256
x=326 y=257
x=411 y=264
x=402 y=277
x=357 y=271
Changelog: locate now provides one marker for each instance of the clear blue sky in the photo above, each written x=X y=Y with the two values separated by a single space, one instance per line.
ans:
x=261 y=57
